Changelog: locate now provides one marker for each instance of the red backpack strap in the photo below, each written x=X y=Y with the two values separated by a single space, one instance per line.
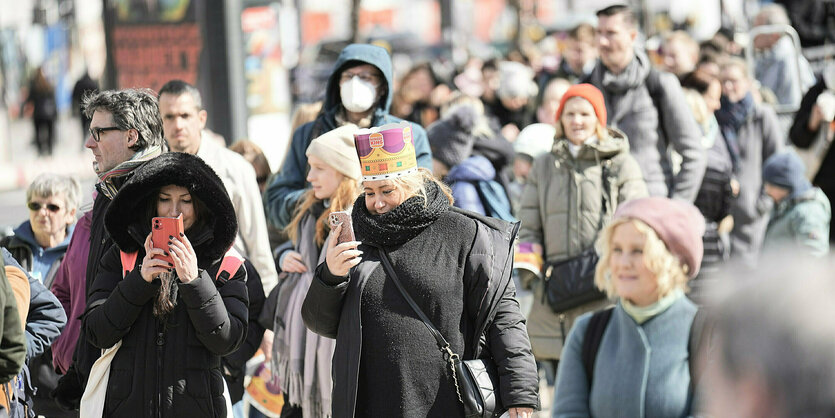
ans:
x=232 y=261
x=128 y=262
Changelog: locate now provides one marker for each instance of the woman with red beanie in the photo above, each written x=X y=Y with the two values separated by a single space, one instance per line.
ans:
x=570 y=194
x=635 y=359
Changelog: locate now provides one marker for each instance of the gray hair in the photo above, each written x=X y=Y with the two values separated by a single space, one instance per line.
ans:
x=779 y=328
x=773 y=14
x=49 y=184
x=131 y=109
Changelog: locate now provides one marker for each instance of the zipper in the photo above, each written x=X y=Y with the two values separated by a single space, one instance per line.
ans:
x=160 y=342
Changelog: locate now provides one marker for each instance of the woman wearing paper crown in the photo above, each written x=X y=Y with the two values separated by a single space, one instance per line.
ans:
x=301 y=358
x=174 y=320
x=454 y=264
x=571 y=192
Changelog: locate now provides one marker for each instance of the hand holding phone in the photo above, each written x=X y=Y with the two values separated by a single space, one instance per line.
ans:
x=162 y=229
x=342 y=218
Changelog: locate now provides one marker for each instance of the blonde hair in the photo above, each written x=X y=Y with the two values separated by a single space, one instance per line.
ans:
x=342 y=198
x=698 y=106
x=670 y=272
x=414 y=184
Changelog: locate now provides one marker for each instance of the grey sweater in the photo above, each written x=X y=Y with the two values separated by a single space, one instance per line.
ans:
x=630 y=108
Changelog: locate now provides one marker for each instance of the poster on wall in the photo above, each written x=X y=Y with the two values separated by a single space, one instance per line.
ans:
x=154 y=41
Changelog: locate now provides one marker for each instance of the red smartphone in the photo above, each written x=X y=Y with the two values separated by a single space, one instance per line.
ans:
x=161 y=229
x=344 y=218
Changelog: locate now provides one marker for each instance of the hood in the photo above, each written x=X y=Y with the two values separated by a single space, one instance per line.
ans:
x=366 y=54
x=475 y=168
x=128 y=222
x=615 y=144
x=787 y=170
x=24 y=233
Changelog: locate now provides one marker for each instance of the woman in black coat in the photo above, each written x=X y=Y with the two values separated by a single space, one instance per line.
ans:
x=454 y=264
x=175 y=320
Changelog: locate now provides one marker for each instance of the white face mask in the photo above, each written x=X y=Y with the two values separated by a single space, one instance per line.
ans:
x=357 y=95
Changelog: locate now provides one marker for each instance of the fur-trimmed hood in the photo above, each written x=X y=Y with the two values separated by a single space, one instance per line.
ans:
x=127 y=220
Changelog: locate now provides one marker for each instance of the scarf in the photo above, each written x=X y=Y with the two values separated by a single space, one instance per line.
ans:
x=302 y=359
x=731 y=117
x=402 y=223
x=632 y=76
x=643 y=314
x=108 y=180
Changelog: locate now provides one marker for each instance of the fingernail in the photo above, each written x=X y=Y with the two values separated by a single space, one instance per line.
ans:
x=170 y=265
x=165 y=253
x=170 y=237
x=181 y=234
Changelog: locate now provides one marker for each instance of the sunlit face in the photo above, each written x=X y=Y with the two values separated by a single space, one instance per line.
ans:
x=579 y=122
x=615 y=38
x=323 y=178
x=113 y=147
x=631 y=278
x=547 y=112
x=382 y=196
x=173 y=200
x=677 y=59
x=578 y=53
x=182 y=122
x=712 y=96
x=48 y=222
x=735 y=84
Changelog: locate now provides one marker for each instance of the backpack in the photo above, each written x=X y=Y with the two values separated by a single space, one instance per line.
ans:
x=232 y=261
x=494 y=199
x=600 y=320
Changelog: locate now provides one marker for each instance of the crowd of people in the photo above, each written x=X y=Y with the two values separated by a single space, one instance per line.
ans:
x=571 y=226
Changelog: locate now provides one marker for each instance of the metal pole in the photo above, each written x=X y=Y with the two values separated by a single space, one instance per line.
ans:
x=235 y=70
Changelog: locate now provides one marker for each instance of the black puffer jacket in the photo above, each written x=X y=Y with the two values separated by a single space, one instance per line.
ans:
x=171 y=367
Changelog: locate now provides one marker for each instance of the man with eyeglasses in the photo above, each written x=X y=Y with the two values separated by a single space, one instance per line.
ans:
x=359 y=91
x=125 y=132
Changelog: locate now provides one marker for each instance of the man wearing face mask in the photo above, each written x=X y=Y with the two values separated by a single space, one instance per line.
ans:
x=359 y=91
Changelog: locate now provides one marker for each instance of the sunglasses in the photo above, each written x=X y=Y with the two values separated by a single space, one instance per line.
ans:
x=35 y=206
x=96 y=132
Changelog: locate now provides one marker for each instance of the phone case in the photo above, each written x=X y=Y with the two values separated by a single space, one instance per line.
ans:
x=161 y=229
x=344 y=218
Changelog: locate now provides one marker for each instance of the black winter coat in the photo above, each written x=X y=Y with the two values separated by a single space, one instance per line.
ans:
x=168 y=367
x=334 y=311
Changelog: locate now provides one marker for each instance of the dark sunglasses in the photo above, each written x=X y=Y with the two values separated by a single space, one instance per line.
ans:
x=96 y=132
x=35 y=206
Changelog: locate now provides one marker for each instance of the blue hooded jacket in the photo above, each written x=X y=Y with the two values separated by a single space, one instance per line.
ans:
x=474 y=188
x=282 y=194
x=40 y=262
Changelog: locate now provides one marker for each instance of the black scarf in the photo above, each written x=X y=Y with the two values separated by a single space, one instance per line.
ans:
x=402 y=223
x=731 y=117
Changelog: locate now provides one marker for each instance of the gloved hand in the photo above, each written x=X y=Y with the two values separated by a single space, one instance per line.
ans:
x=69 y=390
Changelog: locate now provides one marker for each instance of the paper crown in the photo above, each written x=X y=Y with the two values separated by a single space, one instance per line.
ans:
x=386 y=152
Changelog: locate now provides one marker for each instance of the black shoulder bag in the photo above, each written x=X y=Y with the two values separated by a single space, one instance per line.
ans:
x=569 y=283
x=476 y=381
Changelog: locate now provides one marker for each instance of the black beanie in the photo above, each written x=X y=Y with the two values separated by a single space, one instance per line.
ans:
x=786 y=170
x=451 y=138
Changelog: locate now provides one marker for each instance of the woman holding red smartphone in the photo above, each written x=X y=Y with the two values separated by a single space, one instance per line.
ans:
x=454 y=264
x=302 y=359
x=175 y=319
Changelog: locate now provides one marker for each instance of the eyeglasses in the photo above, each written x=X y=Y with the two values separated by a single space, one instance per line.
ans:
x=369 y=78
x=96 y=132
x=35 y=206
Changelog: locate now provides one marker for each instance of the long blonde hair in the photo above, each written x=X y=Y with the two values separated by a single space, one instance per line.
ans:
x=669 y=271
x=415 y=185
x=342 y=198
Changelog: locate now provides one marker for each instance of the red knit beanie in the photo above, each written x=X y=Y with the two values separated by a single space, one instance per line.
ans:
x=590 y=93
x=678 y=223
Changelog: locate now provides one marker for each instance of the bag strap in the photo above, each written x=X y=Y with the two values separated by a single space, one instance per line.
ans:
x=443 y=345
x=232 y=261
x=591 y=343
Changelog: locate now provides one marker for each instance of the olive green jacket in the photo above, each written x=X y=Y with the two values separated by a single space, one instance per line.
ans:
x=562 y=210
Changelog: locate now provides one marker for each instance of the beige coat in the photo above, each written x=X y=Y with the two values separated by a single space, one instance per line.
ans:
x=561 y=210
